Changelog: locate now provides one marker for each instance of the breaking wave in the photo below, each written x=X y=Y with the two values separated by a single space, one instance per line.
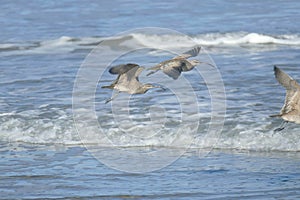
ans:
x=31 y=127
x=50 y=125
x=70 y=44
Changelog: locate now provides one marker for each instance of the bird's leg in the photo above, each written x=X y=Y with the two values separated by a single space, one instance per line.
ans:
x=114 y=96
x=282 y=126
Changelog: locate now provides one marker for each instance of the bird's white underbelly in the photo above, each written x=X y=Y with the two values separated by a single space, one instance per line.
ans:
x=126 y=89
x=122 y=88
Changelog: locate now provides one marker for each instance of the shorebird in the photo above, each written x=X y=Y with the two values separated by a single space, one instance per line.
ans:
x=290 y=112
x=128 y=80
x=178 y=64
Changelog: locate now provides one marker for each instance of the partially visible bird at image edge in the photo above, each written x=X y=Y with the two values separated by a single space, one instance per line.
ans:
x=290 y=111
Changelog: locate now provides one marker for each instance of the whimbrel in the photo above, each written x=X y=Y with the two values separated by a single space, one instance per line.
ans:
x=178 y=64
x=127 y=80
x=290 y=112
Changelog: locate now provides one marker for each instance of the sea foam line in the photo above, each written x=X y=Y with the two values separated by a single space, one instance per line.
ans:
x=69 y=44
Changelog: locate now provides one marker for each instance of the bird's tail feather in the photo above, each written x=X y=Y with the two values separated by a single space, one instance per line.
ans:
x=277 y=115
x=107 y=86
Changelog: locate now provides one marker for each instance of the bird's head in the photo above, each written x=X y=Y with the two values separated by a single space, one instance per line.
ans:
x=195 y=62
x=148 y=86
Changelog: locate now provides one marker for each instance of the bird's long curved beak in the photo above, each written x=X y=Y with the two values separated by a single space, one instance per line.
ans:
x=207 y=64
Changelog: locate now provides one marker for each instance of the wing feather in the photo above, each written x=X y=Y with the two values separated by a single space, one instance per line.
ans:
x=123 y=68
x=129 y=81
x=292 y=97
x=173 y=72
x=191 y=53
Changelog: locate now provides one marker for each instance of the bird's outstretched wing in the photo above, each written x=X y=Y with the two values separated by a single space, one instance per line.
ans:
x=130 y=79
x=191 y=53
x=284 y=79
x=127 y=80
x=173 y=72
x=292 y=90
x=123 y=68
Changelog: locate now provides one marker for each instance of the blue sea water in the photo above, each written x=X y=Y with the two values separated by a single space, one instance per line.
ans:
x=43 y=46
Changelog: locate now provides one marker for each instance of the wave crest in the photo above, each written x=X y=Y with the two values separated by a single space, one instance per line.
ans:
x=70 y=44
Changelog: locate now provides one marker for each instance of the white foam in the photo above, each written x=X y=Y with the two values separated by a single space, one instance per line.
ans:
x=62 y=44
x=66 y=44
x=212 y=39
x=164 y=41
x=64 y=40
x=239 y=38
x=7 y=46
x=69 y=44
x=28 y=128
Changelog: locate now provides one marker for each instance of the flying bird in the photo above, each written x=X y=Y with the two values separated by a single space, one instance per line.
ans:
x=178 y=64
x=128 y=80
x=290 y=112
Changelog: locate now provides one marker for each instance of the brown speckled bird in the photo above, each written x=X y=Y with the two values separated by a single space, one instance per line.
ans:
x=178 y=64
x=290 y=112
x=127 y=80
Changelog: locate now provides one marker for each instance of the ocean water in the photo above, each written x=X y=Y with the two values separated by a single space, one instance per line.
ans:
x=207 y=135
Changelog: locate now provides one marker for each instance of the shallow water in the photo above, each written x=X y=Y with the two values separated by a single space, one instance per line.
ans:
x=43 y=46
x=61 y=172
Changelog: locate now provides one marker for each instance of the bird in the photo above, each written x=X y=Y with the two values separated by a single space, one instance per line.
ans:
x=128 y=80
x=178 y=64
x=290 y=112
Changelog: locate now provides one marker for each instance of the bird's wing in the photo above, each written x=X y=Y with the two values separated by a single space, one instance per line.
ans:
x=123 y=68
x=136 y=72
x=173 y=68
x=292 y=90
x=296 y=101
x=130 y=79
x=173 y=72
x=191 y=53
x=154 y=69
x=284 y=79
x=291 y=102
